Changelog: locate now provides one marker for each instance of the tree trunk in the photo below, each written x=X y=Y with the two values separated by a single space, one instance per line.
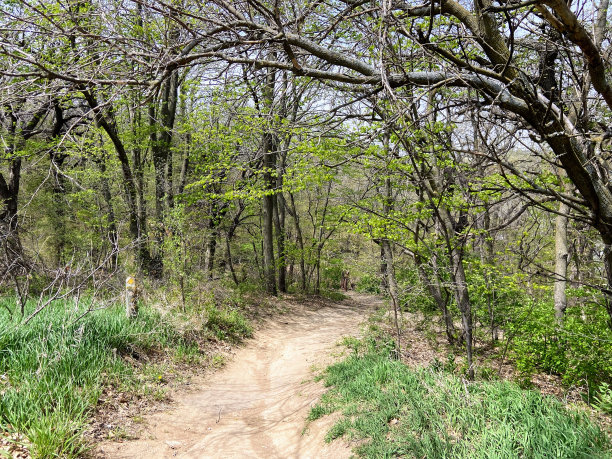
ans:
x=257 y=264
x=487 y=253
x=9 y=191
x=455 y=244
x=159 y=155
x=269 y=148
x=57 y=159
x=279 y=223
x=209 y=257
x=384 y=284
x=463 y=302
x=217 y=211
x=608 y=266
x=561 y=256
x=139 y=183
x=435 y=290
x=386 y=250
x=112 y=233
x=9 y=228
x=393 y=291
x=59 y=206
x=230 y=262
x=230 y=236
x=300 y=240
x=168 y=115
x=161 y=147
x=317 y=288
x=268 y=232
x=143 y=256
x=184 y=166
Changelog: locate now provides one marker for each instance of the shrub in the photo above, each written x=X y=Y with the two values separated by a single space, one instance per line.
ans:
x=331 y=273
x=368 y=284
x=579 y=351
x=227 y=324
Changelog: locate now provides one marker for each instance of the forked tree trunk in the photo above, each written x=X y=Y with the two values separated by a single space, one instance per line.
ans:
x=455 y=248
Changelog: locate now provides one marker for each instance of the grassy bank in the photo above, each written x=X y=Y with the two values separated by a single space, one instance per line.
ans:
x=54 y=369
x=395 y=411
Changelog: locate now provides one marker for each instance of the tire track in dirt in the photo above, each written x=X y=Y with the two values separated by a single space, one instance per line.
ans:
x=256 y=407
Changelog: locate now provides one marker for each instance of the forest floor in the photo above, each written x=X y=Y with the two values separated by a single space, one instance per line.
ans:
x=257 y=405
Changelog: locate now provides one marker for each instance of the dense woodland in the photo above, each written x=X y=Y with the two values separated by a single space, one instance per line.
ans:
x=453 y=155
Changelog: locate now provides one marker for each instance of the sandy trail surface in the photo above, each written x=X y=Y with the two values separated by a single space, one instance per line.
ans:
x=256 y=407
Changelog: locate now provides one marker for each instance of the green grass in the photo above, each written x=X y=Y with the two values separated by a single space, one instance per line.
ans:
x=401 y=412
x=55 y=368
x=334 y=295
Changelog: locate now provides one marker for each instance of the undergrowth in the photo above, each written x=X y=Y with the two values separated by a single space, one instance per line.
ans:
x=400 y=412
x=55 y=368
x=228 y=324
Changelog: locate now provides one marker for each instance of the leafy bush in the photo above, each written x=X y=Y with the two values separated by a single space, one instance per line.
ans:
x=493 y=288
x=368 y=284
x=414 y=296
x=579 y=351
x=248 y=286
x=331 y=275
x=227 y=324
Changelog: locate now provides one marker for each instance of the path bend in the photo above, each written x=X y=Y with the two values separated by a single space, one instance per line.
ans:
x=256 y=407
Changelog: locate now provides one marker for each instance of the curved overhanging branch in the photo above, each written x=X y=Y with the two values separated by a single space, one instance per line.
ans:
x=566 y=22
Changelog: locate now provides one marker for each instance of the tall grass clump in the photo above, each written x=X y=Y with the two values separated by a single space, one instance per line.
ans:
x=54 y=368
x=401 y=412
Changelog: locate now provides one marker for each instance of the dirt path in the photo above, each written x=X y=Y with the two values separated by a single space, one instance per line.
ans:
x=256 y=407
